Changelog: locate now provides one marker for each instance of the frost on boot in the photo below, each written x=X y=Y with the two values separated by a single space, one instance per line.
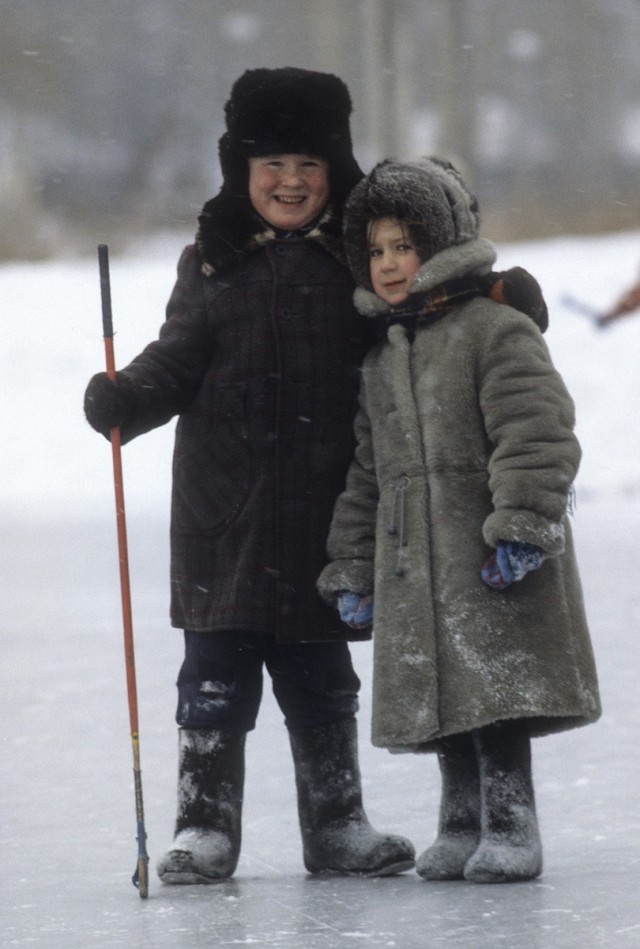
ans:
x=208 y=826
x=510 y=848
x=337 y=837
x=459 y=818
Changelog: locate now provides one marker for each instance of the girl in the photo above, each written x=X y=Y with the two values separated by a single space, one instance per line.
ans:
x=454 y=517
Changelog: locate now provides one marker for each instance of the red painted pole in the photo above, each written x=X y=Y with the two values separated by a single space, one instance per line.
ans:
x=141 y=875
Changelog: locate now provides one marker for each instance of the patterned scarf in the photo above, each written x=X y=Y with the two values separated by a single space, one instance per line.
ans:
x=430 y=305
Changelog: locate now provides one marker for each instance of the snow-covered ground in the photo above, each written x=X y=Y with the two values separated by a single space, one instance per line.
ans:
x=67 y=834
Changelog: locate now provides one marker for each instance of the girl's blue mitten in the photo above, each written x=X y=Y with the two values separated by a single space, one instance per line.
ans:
x=355 y=610
x=510 y=563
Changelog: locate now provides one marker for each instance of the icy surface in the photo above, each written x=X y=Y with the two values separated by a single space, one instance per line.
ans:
x=68 y=821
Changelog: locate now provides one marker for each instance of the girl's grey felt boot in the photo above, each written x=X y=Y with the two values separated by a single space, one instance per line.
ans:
x=510 y=847
x=459 y=818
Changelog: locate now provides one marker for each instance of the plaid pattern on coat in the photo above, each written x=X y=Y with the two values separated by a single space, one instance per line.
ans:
x=261 y=363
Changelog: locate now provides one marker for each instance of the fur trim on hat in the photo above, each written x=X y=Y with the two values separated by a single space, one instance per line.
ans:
x=428 y=195
x=289 y=111
x=277 y=111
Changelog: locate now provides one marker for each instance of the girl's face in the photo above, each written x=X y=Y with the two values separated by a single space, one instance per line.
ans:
x=288 y=191
x=393 y=260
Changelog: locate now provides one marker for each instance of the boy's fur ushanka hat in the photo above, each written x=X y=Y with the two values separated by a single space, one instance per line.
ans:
x=429 y=195
x=288 y=110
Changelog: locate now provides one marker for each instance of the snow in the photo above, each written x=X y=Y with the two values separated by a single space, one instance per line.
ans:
x=68 y=818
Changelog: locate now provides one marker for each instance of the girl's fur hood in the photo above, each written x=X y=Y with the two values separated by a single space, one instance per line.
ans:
x=428 y=195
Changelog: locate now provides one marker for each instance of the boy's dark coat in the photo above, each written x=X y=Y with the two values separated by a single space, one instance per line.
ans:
x=259 y=356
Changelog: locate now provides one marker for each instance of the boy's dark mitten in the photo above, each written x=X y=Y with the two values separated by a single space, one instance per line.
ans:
x=518 y=289
x=355 y=610
x=107 y=404
x=510 y=563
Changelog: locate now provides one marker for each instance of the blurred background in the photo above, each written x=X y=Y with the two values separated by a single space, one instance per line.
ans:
x=110 y=112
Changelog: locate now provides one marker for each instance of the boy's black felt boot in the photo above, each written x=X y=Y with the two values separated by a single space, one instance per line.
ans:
x=459 y=818
x=337 y=837
x=208 y=826
x=510 y=848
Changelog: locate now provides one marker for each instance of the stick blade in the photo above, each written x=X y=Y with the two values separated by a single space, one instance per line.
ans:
x=140 y=878
x=572 y=303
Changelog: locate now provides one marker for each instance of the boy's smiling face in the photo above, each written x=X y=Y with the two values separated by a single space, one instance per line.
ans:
x=393 y=260
x=288 y=191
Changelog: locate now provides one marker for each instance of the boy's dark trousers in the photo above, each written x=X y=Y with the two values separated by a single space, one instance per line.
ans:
x=220 y=681
x=219 y=689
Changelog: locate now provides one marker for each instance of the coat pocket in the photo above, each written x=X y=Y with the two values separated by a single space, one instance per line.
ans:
x=212 y=464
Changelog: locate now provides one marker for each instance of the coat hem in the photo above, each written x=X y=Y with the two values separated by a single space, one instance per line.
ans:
x=538 y=727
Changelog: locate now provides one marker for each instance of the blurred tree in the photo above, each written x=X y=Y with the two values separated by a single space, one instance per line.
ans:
x=110 y=112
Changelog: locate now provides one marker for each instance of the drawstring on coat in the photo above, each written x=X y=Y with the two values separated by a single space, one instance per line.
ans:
x=397 y=526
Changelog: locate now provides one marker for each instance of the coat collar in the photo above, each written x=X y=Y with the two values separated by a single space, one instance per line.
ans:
x=229 y=229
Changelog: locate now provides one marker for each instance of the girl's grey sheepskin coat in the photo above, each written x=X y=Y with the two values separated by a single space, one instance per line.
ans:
x=465 y=438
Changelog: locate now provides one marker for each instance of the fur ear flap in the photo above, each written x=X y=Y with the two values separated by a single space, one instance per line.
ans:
x=229 y=228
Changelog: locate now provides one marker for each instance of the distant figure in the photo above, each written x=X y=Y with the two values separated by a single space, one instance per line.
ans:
x=627 y=304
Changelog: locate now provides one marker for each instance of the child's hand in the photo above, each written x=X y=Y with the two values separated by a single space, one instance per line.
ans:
x=355 y=610
x=510 y=563
x=107 y=404
x=520 y=290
